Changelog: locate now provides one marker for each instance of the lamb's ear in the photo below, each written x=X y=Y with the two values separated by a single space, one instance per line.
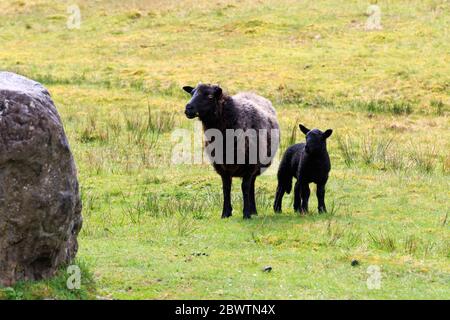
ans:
x=327 y=133
x=303 y=129
x=217 y=91
x=188 y=89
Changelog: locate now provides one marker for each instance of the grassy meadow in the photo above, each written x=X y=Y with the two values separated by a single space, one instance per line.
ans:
x=152 y=228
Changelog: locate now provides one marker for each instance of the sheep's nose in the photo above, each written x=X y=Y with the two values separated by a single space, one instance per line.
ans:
x=189 y=112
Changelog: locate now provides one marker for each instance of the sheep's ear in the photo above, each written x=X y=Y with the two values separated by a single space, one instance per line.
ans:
x=327 y=133
x=188 y=89
x=303 y=129
x=217 y=91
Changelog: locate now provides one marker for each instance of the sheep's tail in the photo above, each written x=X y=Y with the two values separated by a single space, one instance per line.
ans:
x=284 y=183
x=284 y=176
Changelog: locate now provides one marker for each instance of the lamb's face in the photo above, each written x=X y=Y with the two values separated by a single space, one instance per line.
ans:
x=316 y=140
x=203 y=100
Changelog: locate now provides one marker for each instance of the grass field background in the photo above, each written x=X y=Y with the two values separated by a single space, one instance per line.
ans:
x=152 y=229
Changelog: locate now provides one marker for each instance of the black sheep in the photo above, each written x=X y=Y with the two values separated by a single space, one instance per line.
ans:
x=242 y=137
x=307 y=162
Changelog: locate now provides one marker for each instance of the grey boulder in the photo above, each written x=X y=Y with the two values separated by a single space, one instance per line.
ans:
x=40 y=205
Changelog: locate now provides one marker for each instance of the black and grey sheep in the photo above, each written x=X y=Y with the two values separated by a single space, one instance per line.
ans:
x=307 y=162
x=242 y=137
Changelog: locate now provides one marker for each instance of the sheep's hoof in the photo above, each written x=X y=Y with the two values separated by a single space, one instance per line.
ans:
x=322 y=210
x=247 y=216
x=254 y=213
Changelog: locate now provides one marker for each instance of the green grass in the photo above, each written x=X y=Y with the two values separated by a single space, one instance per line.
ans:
x=54 y=288
x=152 y=229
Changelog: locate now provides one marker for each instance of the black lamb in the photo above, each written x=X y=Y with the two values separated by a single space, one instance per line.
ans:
x=307 y=162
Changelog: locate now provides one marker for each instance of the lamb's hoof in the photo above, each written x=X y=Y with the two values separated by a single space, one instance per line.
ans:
x=254 y=213
x=226 y=215
x=247 y=216
x=322 y=210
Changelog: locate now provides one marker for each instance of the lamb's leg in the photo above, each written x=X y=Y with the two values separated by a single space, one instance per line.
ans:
x=321 y=197
x=252 y=197
x=297 y=194
x=305 y=192
x=246 y=186
x=226 y=186
x=278 y=198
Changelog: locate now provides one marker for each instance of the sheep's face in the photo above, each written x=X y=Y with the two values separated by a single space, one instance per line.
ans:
x=203 y=101
x=316 y=140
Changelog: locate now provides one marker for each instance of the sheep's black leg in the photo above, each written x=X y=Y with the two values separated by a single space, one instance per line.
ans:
x=305 y=192
x=278 y=198
x=321 y=197
x=252 y=197
x=226 y=186
x=297 y=194
x=246 y=186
